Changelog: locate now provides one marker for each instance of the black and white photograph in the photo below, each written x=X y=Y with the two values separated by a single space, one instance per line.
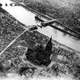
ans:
x=39 y=39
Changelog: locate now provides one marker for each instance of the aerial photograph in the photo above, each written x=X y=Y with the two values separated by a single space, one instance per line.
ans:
x=39 y=39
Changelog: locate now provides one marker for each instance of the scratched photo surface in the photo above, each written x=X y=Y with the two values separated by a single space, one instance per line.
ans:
x=39 y=39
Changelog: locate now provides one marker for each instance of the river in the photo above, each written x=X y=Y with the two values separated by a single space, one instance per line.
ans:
x=27 y=18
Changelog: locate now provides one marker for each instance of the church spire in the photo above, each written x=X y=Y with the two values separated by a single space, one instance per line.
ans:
x=49 y=45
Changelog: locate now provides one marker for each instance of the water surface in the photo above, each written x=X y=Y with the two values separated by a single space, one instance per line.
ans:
x=27 y=18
